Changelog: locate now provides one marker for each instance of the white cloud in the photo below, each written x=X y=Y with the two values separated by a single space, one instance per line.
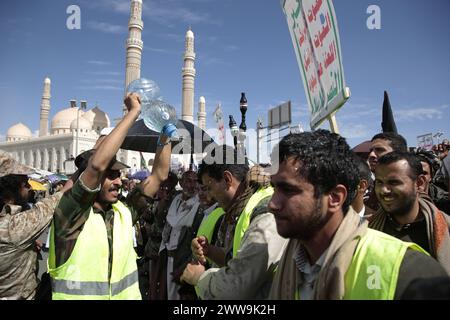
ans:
x=101 y=87
x=105 y=73
x=165 y=12
x=231 y=47
x=107 y=27
x=412 y=114
x=207 y=61
x=172 y=36
x=98 y=62
x=119 y=6
x=159 y=50
x=357 y=131
x=168 y=13
x=299 y=110
x=358 y=111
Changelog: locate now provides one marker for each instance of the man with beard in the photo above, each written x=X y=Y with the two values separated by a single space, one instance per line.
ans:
x=91 y=252
x=248 y=247
x=403 y=213
x=429 y=189
x=381 y=144
x=365 y=186
x=182 y=222
x=20 y=227
x=332 y=254
x=155 y=221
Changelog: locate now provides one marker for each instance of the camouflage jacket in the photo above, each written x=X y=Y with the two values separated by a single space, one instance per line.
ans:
x=18 y=256
x=74 y=210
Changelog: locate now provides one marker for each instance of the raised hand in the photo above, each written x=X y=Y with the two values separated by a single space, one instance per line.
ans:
x=199 y=247
x=133 y=102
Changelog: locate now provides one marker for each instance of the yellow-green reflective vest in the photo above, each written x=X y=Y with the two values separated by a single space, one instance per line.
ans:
x=373 y=272
x=244 y=218
x=374 y=269
x=208 y=225
x=84 y=276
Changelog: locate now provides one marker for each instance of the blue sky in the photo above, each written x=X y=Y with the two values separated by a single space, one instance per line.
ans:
x=241 y=45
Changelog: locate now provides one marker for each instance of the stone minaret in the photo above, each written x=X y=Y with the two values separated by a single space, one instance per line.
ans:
x=45 y=109
x=134 y=45
x=187 y=102
x=202 y=113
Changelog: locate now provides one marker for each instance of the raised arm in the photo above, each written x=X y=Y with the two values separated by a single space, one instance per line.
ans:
x=160 y=168
x=106 y=150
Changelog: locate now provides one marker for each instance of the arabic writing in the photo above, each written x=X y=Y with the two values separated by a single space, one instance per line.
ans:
x=313 y=29
x=312 y=13
x=321 y=35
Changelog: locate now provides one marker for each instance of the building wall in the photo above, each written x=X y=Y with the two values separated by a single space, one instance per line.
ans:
x=48 y=152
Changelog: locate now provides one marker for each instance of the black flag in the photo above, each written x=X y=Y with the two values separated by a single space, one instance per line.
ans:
x=388 y=123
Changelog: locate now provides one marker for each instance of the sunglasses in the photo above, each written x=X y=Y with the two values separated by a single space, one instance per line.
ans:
x=112 y=175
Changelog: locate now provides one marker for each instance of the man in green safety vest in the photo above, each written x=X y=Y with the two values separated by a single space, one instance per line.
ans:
x=248 y=245
x=331 y=253
x=91 y=252
x=213 y=215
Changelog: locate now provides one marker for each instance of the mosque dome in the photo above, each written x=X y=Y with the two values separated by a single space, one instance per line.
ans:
x=98 y=119
x=189 y=34
x=83 y=124
x=18 y=132
x=63 y=119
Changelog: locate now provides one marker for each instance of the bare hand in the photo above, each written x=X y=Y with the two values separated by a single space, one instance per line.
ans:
x=68 y=185
x=192 y=273
x=199 y=247
x=133 y=102
x=38 y=245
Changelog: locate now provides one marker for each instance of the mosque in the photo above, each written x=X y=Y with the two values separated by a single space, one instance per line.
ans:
x=73 y=130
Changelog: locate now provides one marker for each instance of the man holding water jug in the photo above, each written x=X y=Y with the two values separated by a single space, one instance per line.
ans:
x=91 y=250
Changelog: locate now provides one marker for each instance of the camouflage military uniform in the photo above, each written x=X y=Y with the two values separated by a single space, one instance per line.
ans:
x=18 y=256
x=10 y=166
x=73 y=211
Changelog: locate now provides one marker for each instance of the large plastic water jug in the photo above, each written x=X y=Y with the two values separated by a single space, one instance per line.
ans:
x=157 y=114
x=146 y=89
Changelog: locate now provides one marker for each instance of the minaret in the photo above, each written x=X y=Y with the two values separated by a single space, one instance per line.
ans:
x=187 y=102
x=202 y=113
x=134 y=45
x=45 y=109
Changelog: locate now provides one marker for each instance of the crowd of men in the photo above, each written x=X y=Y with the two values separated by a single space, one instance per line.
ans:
x=319 y=222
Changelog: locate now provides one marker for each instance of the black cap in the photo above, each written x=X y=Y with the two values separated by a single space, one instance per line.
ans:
x=82 y=161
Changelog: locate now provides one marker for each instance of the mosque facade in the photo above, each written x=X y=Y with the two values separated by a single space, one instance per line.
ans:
x=73 y=130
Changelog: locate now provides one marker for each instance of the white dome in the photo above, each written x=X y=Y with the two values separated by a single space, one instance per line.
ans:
x=202 y=100
x=63 y=119
x=83 y=124
x=47 y=80
x=98 y=119
x=18 y=132
x=189 y=34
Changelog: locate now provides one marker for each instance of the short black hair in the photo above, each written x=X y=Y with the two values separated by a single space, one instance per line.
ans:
x=172 y=179
x=415 y=167
x=326 y=161
x=397 y=142
x=10 y=186
x=430 y=158
x=364 y=172
x=223 y=158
